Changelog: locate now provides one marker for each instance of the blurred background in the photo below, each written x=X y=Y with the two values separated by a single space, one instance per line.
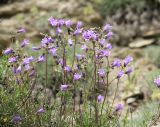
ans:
x=136 y=27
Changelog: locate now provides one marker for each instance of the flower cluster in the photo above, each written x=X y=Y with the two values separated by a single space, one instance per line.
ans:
x=89 y=63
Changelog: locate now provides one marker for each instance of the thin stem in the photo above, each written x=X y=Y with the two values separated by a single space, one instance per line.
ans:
x=114 y=96
x=46 y=68
x=107 y=77
x=105 y=93
x=95 y=78
x=74 y=53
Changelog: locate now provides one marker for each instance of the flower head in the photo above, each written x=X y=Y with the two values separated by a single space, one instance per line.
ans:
x=128 y=70
x=116 y=63
x=107 y=28
x=157 y=82
x=32 y=73
x=102 y=42
x=58 y=30
x=53 y=22
x=40 y=111
x=36 y=48
x=127 y=60
x=109 y=46
x=41 y=58
x=21 y=30
x=27 y=60
x=53 y=51
x=120 y=74
x=24 y=43
x=70 y=42
x=12 y=59
x=84 y=47
x=46 y=40
x=64 y=87
x=79 y=24
x=101 y=72
x=89 y=35
x=19 y=69
x=78 y=56
x=77 y=76
x=61 y=22
x=118 y=107
x=27 y=67
x=67 y=68
x=8 y=51
x=14 y=70
x=68 y=23
x=100 y=98
x=16 y=119
x=105 y=53
x=60 y=62
x=77 y=31
x=109 y=35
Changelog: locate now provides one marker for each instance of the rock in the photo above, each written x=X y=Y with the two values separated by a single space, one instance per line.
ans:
x=151 y=33
x=12 y=9
x=138 y=43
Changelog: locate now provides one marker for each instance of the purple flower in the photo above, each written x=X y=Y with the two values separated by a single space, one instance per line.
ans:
x=116 y=63
x=127 y=60
x=78 y=56
x=100 y=98
x=67 y=68
x=21 y=30
x=105 y=53
x=109 y=35
x=128 y=70
x=120 y=74
x=41 y=58
x=109 y=46
x=61 y=22
x=27 y=67
x=53 y=51
x=36 y=48
x=157 y=82
x=32 y=73
x=68 y=23
x=102 y=42
x=53 y=22
x=16 y=119
x=46 y=40
x=14 y=70
x=107 y=28
x=77 y=76
x=118 y=107
x=101 y=72
x=76 y=32
x=58 y=30
x=64 y=87
x=40 y=111
x=24 y=43
x=8 y=51
x=60 y=61
x=89 y=34
x=27 y=60
x=79 y=24
x=84 y=47
x=12 y=59
x=70 y=42
x=19 y=69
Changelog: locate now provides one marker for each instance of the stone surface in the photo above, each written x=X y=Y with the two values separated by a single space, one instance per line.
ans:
x=141 y=43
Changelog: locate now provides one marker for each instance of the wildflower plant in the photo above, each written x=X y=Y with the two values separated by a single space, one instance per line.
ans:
x=83 y=58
